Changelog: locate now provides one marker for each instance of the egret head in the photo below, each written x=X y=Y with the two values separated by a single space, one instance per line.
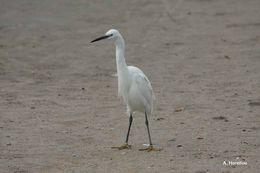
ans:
x=110 y=34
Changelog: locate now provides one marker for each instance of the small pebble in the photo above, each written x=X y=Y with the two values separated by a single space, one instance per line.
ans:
x=227 y=57
x=220 y=118
x=158 y=119
x=179 y=109
x=173 y=139
x=254 y=103
x=200 y=172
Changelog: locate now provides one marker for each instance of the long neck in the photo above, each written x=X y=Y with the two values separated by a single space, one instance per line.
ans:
x=120 y=55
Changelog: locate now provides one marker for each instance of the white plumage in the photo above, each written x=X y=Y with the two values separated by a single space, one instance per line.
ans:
x=140 y=93
x=133 y=85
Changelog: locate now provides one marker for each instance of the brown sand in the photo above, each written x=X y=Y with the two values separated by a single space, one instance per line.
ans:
x=58 y=98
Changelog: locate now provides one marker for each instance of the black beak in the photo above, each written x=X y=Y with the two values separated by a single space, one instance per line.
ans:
x=100 y=38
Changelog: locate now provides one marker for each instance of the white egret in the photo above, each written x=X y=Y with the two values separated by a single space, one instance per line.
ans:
x=133 y=86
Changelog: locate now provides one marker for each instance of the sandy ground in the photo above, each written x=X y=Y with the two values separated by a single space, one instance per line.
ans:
x=59 y=110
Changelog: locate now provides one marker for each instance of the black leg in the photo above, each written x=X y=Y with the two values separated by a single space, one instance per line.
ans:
x=129 y=127
x=147 y=125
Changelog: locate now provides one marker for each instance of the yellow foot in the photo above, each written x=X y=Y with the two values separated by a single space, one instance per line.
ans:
x=150 y=148
x=125 y=146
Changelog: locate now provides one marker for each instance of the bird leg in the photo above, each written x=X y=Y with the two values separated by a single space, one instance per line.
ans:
x=129 y=127
x=147 y=125
x=126 y=146
x=150 y=148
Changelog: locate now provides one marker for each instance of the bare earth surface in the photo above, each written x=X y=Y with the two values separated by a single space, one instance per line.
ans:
x=59 y=110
